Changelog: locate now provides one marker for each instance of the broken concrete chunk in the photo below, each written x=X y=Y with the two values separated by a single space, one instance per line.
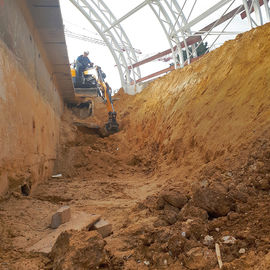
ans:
x=228 y=239
x=103 y=227
x=208 y=240
x=62 y=215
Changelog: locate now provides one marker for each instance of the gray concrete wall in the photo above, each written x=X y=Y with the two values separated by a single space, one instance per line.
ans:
x=30 y=100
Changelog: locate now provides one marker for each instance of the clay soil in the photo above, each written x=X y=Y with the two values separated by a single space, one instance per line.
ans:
x=190 y=168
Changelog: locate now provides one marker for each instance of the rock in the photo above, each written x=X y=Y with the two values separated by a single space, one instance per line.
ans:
x=78 y=250
x=194 y=229
x=228 y=239
x=242 y=251
x=62 y=216
x=261 y=183
x=216 y=203
x=160 y=203
x=190 y=212
x=170 y=216
x=170 y=213
x=233 y=216
x=103 y=227
x=174 y=198
x=208 y=240
x=176 y=244
x=200 y=258
x=220 y=187
x=239 y=196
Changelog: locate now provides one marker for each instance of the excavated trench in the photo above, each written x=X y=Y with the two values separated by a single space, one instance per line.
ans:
x=188 y=171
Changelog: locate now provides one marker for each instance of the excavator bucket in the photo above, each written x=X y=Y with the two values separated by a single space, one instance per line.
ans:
x=86 y=92
x=112 y=126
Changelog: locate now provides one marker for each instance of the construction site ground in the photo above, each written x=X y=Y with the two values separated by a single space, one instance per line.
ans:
x=188 y=171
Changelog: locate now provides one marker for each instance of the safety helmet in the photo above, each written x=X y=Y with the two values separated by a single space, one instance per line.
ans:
x=86 y=52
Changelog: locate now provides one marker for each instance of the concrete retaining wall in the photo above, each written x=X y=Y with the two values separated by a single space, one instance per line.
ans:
x=30 y=101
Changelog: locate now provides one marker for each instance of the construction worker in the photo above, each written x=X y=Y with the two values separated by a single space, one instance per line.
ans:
x=82 y=64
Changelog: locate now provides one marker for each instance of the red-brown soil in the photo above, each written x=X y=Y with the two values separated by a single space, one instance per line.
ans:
x=191 y=163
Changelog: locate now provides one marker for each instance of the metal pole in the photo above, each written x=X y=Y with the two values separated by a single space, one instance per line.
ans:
x=247 y=13
x=134 y=10
x=266 y=10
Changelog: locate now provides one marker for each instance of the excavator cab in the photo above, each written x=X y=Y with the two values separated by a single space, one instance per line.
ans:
x=87 y=84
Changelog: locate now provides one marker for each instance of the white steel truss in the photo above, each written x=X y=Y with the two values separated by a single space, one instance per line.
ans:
x=176 y=25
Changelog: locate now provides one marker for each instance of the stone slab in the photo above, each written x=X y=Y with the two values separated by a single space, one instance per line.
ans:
x=62 y=216
x=103 y=227
x=79 y=221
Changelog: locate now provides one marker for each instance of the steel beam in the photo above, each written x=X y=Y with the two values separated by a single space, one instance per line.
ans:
x=266 y=7
x=164 y=71
x=261 y=2
x=121 y=37
x=134 y=10
x=191 y=40
x=205 y=14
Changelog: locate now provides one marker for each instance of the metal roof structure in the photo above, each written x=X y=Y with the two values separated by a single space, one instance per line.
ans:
x=178 y=25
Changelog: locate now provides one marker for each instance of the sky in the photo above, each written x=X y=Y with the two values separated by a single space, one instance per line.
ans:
x=143 y=30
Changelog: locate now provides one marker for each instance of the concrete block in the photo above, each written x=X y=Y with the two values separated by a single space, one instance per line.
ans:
x=62 y=216
x=103 y=227
x=79 y=221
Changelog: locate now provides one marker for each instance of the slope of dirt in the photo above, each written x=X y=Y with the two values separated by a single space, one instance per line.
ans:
x=189 y=169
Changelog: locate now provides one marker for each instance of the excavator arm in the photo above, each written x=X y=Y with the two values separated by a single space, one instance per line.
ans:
x=111 y=126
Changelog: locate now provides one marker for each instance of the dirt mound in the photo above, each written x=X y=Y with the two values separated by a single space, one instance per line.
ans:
x=203 y=132
x=206 y=112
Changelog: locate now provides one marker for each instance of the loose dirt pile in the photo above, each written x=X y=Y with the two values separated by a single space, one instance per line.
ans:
x=189 y=169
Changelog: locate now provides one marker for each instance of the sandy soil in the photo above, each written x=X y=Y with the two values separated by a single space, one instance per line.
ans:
x=190 y=168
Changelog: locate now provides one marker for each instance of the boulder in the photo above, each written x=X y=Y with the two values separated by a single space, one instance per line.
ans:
x=170 y=213
x=78 y=250
x=190 y=211
x=216 y=203
x=174 y=198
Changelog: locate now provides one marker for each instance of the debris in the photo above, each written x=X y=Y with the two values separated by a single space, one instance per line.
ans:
x=215 y=202
x=78 y=250
x=62 y=216
x=57 y=175
x=103 y=227
x=242 y=251
x=174 y=198
x=146 y=262
x=200 y=258
x=79 y=221
x=228 y=239
x=220 y=264
x=208 y=240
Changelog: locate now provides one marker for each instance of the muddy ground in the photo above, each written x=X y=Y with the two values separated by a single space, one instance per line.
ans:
x=189 y=169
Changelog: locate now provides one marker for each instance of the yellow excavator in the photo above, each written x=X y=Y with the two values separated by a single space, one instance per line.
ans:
x=92 y=84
